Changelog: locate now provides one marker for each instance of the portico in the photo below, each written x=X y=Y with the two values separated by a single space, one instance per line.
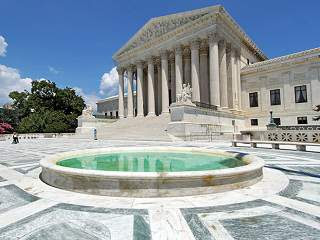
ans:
x=204 y=48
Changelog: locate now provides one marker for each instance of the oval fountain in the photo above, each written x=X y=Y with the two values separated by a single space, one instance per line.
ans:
x=151 y=171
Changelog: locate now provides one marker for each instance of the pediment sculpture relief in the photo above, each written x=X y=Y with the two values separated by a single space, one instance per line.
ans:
x=160 y=27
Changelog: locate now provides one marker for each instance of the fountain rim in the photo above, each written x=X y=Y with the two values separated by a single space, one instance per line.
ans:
x=50 y=162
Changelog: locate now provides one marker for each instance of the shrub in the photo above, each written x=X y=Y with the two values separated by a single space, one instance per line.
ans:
x=5 y=128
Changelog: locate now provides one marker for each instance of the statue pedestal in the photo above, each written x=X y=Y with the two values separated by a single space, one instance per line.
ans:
x=86 y=132
x=188 y=121
x=86 y=125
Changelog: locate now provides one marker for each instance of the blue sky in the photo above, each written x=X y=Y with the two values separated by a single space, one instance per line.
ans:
x=72 y=42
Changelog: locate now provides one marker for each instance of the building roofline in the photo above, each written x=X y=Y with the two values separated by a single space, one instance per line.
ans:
x=114 y=97
x=281 y=59
x=218 y=9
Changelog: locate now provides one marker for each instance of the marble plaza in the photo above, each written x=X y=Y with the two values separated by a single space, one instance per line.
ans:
x=285 y=204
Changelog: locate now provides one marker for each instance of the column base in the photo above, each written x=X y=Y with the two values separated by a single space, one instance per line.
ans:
x=224 y=109
x=151 y=114
x=164 y=114
x=140 y=116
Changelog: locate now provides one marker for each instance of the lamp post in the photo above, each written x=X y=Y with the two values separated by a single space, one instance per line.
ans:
x=271 y=122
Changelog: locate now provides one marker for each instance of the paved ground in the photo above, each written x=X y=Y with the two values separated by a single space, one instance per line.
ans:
x=284 y=205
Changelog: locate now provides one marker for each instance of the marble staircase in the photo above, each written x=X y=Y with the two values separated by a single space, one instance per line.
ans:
x=144 y=128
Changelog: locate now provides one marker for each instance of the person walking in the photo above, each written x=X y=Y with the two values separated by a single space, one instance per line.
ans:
x=15 y=138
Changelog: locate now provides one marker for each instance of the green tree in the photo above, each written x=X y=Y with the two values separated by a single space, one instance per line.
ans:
x=47 y=108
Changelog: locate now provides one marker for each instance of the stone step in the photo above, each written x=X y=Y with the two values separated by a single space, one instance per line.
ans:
x=146 y=128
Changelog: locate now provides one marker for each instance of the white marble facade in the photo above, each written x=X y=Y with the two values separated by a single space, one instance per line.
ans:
x=284 y=74
x=204 y=48
x=207 y=49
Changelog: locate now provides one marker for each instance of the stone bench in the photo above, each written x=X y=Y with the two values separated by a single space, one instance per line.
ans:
x=300 y=146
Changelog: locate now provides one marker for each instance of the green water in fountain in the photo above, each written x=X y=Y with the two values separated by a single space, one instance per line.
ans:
x=152 y=162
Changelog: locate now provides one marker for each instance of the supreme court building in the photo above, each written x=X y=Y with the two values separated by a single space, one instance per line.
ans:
x=229 y=74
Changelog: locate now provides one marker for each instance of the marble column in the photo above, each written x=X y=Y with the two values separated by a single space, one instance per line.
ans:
x=159 y=88
x=238 y=58
x=234 y=79
x=140 y=89
x=223 y=75
x=172 y=78
x=178 y=68
x=164 y=82
x=187 y=66
x=214 y=74
x=121 y=92
x=151 y=99
x=204 y=74
x=195 y=71
x=130 y=92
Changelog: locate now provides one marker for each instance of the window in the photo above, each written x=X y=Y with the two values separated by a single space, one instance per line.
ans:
x=301 y=93
x=253 y=99
x=254 y=122
x=110 y=114
x=275 y=97
x=302 y=120
x=277 y=121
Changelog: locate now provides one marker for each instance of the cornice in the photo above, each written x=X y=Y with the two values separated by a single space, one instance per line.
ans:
x=307 y=56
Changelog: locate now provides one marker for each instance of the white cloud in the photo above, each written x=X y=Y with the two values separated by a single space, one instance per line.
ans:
x=10 y=80
x=3 y=46
x=109 y=83
x=53 y=70
x=90 y=99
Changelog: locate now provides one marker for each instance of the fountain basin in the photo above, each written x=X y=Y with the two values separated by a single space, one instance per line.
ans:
x=151 y=171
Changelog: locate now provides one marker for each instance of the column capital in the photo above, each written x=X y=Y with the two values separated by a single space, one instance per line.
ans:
x=213 y=37
x=228 y=47
x=120 y=70
x=203 y=47
x=164 y=54
x=195 y=44
x=150 y=59
x=186 y=52
x=178 y=49
x=223 y=43
x=157 y=61
x=238 y=53
x=131 y=67
x=171 y=56
x=234 y=49
x=140 y=63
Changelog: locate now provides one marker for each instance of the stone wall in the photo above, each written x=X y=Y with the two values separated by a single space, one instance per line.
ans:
x=8 y=137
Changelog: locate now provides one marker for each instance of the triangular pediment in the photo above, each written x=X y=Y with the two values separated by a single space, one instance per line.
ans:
x=159 y=26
